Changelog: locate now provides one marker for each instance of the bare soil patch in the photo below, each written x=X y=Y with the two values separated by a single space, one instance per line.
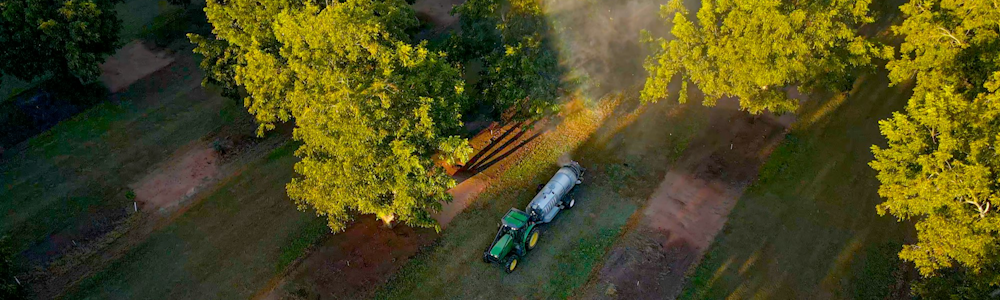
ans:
x=687 y=209
x=178 y=179
x=131 y=63
x=349 y=265
x=463 y=195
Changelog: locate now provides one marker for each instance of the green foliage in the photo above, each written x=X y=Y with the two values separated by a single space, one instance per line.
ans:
x=218 y=60
x=941 y=164
x=371 y=109
x=959 y=283
x=239 y=27
x=61 y=38
x=521 y=74
x=753 y=50
x=940 y=168
x=948 y=42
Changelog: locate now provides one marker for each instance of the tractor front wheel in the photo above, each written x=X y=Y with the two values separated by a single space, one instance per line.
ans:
x=511 y=264
x=532 y=239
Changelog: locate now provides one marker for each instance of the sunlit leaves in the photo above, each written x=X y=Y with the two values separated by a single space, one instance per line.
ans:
x=753 y=50
x=371 y=109
x=941 y=167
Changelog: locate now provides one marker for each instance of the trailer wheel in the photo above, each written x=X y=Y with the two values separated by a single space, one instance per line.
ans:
x=511 y=264
x=569 y=204
x=532 y=239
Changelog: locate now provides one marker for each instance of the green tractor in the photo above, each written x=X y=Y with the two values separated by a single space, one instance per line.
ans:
x=518 y=232
x=518 y=235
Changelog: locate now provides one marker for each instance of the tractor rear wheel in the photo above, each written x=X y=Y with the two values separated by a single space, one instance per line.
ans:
x=511 y=263
x=532 y=239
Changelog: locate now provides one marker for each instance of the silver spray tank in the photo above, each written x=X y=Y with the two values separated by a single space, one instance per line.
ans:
x=551 y=198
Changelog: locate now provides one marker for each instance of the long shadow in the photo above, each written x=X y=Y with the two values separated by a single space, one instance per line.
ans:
x=479 y=155
x=474 y=166
x=508 y=153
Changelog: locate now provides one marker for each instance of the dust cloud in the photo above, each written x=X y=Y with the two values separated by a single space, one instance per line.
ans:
x=565 y=159
x=600 y=40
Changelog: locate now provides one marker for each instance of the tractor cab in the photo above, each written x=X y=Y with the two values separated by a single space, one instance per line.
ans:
x=516 y=236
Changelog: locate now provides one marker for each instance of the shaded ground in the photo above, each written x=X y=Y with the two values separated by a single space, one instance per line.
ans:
x=807 y=228
x=225 y=246
x=688 y=208
x=131 y=63
x=67 y=193
x=349 y=265
x=154 y=140
x=167 y=139
x=72 y=180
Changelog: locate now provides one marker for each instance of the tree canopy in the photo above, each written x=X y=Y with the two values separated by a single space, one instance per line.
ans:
x=238 y=26
x=521 y=75
x=61 y=38
x=941 y=166
x=371 y=109
x=753 y=50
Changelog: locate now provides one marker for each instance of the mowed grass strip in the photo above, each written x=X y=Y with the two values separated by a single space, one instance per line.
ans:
x=84 y=165
x=626 y=151
x=807 y=228
x=225 y=247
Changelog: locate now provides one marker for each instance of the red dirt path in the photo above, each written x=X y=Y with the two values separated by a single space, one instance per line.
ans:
x=687 y=210
x=131 y=63
x=350 y=264
x=178 y=179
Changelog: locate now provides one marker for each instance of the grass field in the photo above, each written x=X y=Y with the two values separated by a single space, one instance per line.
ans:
x=85 y=164
x=626 y=153
x=807 y=229
x=225 y=247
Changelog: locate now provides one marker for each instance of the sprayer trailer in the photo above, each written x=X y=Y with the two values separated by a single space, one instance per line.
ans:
x=518 y=231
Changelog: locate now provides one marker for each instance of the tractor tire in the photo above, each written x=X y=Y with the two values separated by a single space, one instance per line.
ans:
x=511 y=264
x=532 y=239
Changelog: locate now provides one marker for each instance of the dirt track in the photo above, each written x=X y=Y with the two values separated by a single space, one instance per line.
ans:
x=131 y=63
x=178 y=179
x=350 y=264
x=687 y=209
